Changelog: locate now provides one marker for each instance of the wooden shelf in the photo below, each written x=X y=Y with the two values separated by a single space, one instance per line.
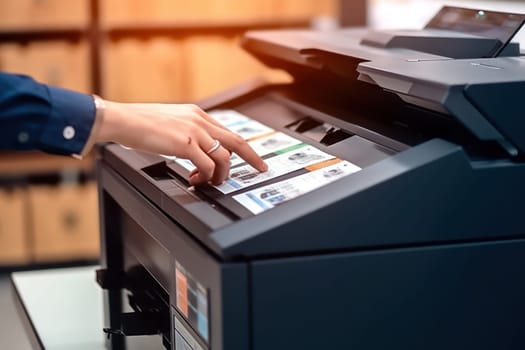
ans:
x=148 y=29
x=24 y=163
x=181 y=29
x=29 y=35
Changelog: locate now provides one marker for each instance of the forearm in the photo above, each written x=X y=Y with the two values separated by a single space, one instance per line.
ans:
x=36 y=116
x=142 y=126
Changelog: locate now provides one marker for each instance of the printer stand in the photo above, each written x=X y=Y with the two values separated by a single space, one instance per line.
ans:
x=63 y=309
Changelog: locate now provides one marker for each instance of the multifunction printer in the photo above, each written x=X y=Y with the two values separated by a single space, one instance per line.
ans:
x=391 y=216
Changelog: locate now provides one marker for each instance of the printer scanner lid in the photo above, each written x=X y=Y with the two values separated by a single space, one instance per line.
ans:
x=474 y=91
x=485 y=95
x=453 y=33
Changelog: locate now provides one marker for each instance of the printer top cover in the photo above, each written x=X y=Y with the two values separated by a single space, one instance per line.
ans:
x=396 y=192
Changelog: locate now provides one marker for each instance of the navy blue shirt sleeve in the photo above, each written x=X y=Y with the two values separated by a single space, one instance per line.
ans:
x=37 y=116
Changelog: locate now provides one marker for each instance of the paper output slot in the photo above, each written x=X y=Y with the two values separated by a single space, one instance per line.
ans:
x=304 y=125
x=323 y=133
x=158 y=171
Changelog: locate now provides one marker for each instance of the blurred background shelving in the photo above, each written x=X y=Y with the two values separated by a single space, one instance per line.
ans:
x=48 y=210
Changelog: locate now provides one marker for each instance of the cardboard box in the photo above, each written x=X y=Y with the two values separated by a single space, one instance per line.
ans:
x=13 y=230
x=64 y=222
x=144 y=71
x=23 y=14
x=216 y=63
x=118 y=12
x=59 y=63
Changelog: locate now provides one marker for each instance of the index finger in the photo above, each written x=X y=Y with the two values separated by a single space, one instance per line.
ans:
x=237 y=144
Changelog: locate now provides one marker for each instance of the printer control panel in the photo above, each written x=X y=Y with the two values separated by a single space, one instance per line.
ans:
x=295 y=165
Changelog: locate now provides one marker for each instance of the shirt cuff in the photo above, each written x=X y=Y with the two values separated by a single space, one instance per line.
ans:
x=70 y=122
x=100 y=108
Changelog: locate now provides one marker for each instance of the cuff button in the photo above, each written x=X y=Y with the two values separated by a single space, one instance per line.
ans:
x=68 y=133
x=23 y=137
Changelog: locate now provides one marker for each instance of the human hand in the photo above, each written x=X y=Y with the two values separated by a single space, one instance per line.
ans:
x=182 y=130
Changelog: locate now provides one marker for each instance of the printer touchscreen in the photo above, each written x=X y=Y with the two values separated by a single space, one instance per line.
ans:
x=192 y=300
x=488 y=24
x=267 y=197
x=290 y=160
x=305 y=166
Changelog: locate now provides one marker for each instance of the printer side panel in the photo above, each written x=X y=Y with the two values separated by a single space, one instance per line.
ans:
x=465 y=296
x=206 y=299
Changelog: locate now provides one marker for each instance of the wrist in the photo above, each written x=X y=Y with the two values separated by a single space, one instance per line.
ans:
x=109 y=123
x=98 y=118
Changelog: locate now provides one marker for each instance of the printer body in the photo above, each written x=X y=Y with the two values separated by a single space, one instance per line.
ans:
x=422 y=245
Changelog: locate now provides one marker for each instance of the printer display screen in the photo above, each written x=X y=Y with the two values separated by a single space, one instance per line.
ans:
x=488 y=24
x=192 y=301
x=258 y=192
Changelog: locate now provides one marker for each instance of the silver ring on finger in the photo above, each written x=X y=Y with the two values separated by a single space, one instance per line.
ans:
x=216 y=145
